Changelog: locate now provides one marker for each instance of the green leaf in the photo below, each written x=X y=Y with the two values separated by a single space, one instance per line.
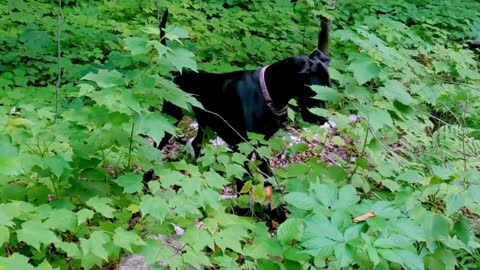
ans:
x=4 y=235
x=95 y=245
x=377 y=118
x=130 y=182
x=136 y=45
x=125 y=239
x=84 y=215
x=154 y=251
x=15 y=262
x=410 y=176
x=300 y=200
x=327 y=93
x=101 y=205
x=61 y=219
x=454 y=202
x=56 y=164
x=197 y=259
x=105 y=78
x=72 y=249
x=154 y=206
x=181 y=58
x=336 y=173
x=290 y=230
x=264 y=264
x=45 y=266
x=438 y=226
x=394 y=90
x=35 y=233
x=344 y=254
x=364 y=69
x=155 y=125
x=443 y=172
x=198 y=238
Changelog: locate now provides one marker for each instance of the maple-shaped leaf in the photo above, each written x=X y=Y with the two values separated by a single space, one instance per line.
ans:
x=125 y=239
x=34 y=233
x=181 y=58
x=394 y=90
x=101 y=205
x=130 y=182
x=56 y=164
x=105 y=78
x=154 y=206
x=364 y=69
x=95 y=245
x=72 y=249
x=136 y=45
x=61 y=219
x=9 y=161
x=170 y=92
x=84 y=215
x=15 y=262
x=155 y=125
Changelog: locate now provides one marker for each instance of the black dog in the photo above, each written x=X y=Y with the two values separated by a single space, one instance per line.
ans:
x=256 y=100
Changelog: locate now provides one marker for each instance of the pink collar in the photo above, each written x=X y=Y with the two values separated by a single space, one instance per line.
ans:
x=266 y=94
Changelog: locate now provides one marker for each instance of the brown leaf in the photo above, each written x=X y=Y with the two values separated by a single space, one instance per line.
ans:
x=364 y=217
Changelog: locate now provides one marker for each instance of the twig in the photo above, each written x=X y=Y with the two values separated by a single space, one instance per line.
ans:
x=130 y=146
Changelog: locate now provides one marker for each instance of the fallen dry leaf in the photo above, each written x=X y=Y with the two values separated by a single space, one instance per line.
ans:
x=364 y=217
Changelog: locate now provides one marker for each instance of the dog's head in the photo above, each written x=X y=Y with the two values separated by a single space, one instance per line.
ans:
x=294 y=76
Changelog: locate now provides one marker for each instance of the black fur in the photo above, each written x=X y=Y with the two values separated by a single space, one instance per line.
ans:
x=236 y=97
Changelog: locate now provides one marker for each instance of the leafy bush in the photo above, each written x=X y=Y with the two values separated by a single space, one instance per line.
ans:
x=406 y=194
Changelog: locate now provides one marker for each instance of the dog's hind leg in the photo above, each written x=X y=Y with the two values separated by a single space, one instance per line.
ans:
x=175 y=112
x=197 y=142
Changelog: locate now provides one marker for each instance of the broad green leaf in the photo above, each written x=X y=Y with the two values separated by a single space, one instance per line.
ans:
x=155 y=125
x=105 y=78
x=290 y=230
x=198 y=238
x=84 y=215
x=377 y=118
x=364 y=69
x=181 y=58
x=410 y=176
x=443 y=172
x=15 y=262
x=264 y=264
x=125 y=239
x=130 y=182
x=61 y=219
x=393 y=241
x=408 y=228
x=300 y=200
x=101 y=205
x=197 y=259
x=136 y=45
x=327 y=93
x=454 y=202
x=45 y=266
x=154 y=206
x=344 y=254
x=438 y=226
x=154 y=251
x=95 y=245
x=327 y=193
x=35 y=233
x=394 y=90
x=72 y=249
x=4 y=235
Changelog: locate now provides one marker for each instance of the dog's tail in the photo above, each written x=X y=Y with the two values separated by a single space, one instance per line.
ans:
x=323 y=35
x=161 y=26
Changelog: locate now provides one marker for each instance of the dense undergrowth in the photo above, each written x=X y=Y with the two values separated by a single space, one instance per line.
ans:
x=71 y=164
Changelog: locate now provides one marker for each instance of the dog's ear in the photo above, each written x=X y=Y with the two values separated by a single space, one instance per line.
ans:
x=316 y=68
